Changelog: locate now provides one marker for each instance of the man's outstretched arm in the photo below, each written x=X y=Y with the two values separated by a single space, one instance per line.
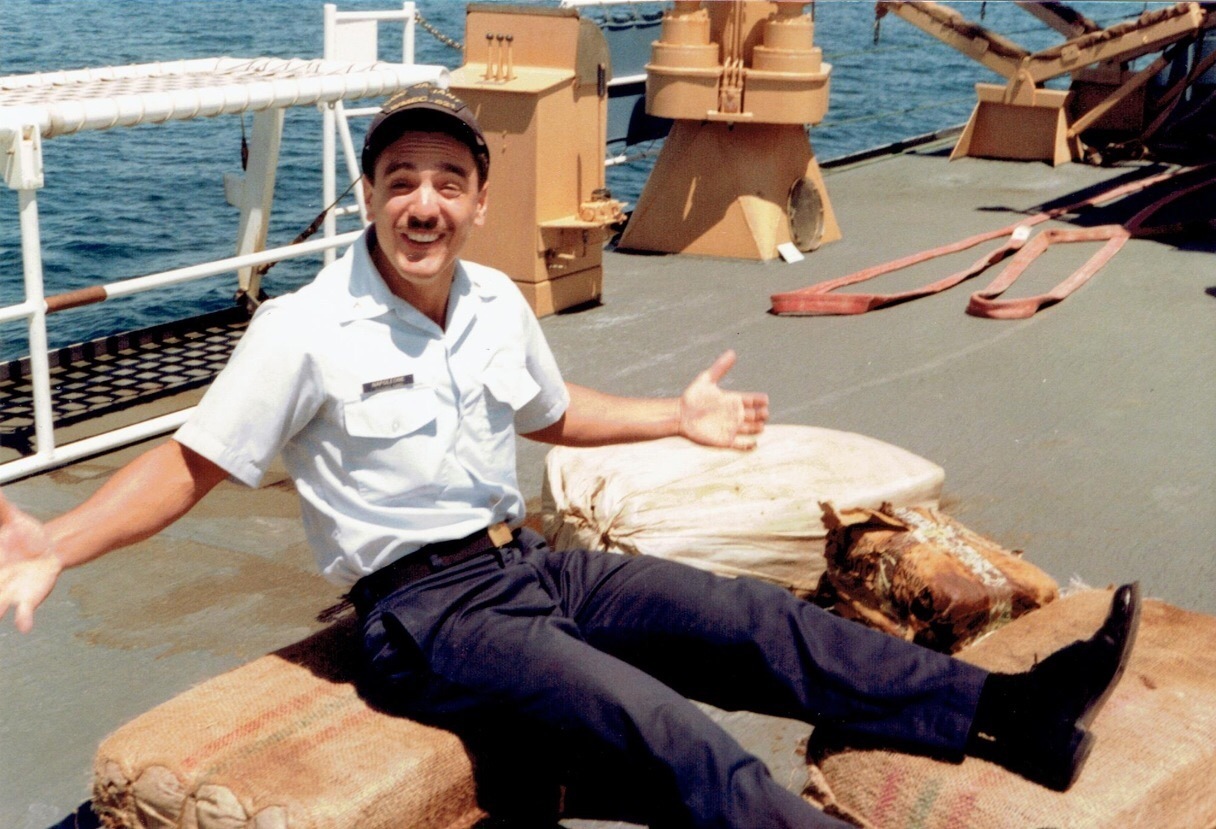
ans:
x=705 y=413
x=140 y=500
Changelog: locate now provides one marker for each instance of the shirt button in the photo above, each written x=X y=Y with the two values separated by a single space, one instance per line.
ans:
x=396 y=425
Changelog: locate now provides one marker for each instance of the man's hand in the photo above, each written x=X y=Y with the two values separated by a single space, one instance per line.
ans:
x=715 y=417
x=28 y=568
x=704 y=414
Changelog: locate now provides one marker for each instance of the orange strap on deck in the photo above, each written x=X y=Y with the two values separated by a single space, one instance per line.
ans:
x=986 y=304
x=819 y=299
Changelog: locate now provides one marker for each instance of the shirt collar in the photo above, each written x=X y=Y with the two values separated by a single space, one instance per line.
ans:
x=362 y=294
x=468 y=294
x=365 y=295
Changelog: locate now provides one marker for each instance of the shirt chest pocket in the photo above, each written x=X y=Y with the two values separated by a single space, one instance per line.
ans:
x=390 y=414
x=393 y=448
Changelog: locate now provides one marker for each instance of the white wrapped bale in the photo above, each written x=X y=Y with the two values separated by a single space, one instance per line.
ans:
x=736 y=513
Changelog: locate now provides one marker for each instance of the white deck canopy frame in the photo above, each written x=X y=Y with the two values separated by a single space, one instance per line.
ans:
x=44 y=105
x=348 y=35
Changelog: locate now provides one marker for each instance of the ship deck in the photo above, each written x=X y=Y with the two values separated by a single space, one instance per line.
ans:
x=1082 y=436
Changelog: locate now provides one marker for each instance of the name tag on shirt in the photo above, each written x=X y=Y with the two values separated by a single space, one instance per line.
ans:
x=388 y=383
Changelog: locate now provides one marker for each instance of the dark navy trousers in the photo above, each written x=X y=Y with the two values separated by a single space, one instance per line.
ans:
x=577 y=668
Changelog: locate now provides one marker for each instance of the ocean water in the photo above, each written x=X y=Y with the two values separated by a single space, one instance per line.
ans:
x=135 y=201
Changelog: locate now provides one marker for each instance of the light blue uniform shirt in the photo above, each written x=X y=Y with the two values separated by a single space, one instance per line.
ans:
x=397 y=434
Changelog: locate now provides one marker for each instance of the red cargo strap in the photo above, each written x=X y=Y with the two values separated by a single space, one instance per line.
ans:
x=818 y=299
x=985 y=303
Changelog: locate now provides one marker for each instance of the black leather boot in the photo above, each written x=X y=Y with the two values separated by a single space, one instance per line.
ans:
x=1037 y=723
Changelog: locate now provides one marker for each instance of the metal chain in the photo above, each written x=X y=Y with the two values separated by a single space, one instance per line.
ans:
x=438 y=35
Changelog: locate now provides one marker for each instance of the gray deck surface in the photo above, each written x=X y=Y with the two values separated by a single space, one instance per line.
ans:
x=1082 y=435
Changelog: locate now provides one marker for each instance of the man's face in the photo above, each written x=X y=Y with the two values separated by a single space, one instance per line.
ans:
x=425 y=200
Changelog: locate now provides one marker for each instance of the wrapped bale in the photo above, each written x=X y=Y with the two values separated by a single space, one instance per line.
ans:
x=922 y=576
x=284 y=742
x=736 y=513
x=1154 y=762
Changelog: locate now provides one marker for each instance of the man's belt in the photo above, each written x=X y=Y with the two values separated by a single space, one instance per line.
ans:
x=424 y=562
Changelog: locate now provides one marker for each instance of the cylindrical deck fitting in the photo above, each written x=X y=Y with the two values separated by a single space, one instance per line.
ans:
x=685 y=66
x=789 y=28
x=685 y=24
x=665 y=56
x=789 y=43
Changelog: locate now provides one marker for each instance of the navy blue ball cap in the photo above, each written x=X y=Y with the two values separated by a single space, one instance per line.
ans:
x=427 y=108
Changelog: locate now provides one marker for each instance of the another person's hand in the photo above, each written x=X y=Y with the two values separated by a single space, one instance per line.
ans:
x=28 y=568
x=714 y=416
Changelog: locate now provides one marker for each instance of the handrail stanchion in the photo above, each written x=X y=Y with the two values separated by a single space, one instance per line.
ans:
x=329 y=124
x=329 y=188
x=407 y=36
x=40 y=368
x=353 y=167
x=21 y=144
x=258 y=195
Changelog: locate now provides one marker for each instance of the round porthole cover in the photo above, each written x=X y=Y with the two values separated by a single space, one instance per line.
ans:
x=805 y=212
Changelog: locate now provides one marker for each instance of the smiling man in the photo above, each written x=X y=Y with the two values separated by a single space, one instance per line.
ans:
x=425 y=194
x=393 y=386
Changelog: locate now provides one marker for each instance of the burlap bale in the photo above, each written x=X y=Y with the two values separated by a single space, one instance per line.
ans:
x=283 y=743
x=918 y=574
x=735 y=513
x=1154 y=764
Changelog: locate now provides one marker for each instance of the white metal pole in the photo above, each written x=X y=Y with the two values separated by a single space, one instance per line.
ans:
x=21 y=311
x=353 y=164
x=40 y=370
x=329 y=32
x=138 y=284
x=329 y=190
x=407 y=36
x=259 y=192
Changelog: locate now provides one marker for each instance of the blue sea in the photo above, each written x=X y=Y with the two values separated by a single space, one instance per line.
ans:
x=135 y=201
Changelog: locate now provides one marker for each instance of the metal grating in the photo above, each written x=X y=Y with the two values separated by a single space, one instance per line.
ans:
x=114 y=373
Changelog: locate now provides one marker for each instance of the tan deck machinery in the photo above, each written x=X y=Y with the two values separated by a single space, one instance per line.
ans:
x=1023 y=121
x=537 y=79
x=737 y=176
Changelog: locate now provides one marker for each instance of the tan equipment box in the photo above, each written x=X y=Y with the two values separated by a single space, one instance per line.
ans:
x=537 y=79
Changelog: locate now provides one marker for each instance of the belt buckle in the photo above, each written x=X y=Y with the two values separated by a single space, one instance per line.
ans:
x=500 y=535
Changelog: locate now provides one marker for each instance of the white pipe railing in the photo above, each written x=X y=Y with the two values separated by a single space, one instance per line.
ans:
x=190 y=273
x=87 y=447
x=36 y=106
x=36 y=308
x=40 y=371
